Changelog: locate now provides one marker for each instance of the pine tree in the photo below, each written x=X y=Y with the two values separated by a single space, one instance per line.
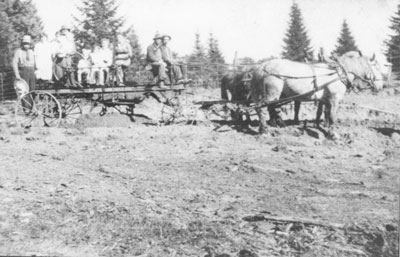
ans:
x=17 y=18
x=98 y=20
x=134 y=42
x=393 y=44
x=297 y=44
x=214 y=53
x=198 y=55
x=345 y=41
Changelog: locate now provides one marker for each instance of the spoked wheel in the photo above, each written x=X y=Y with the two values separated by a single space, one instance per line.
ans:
x=71 y=111
x=171 y=110
x=38 y=109
x=175 y=110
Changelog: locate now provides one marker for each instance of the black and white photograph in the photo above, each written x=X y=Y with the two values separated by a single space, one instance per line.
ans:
x=200 y=128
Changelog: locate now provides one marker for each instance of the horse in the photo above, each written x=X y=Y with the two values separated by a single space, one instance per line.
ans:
x=280 y=81
x=324 y=59
x=235 y=87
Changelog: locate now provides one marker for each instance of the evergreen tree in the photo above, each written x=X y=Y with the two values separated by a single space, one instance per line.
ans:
x=17 y=18
x=198 y=55
x=98 y=20
x=214 y=53
x=297 y=44
x=345 y=41
x=393 y=44
x=134 y=42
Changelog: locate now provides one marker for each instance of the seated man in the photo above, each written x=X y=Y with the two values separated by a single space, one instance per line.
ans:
x=154 y=58
x=177 y=70
x=63 y=58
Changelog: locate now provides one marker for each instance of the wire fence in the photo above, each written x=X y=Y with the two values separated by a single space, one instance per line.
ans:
x=7 y=91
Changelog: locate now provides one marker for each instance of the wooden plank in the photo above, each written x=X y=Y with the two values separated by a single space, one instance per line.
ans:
x=294 y=220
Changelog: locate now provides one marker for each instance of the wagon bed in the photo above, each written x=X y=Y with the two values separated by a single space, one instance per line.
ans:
x=50 y=105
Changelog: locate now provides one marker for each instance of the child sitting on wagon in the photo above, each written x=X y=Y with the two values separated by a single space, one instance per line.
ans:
x=85 y=68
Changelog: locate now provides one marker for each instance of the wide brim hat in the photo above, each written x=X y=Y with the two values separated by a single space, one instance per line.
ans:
x=166 y=35
x=21 y=87
x=157 y=36
x=26 y=39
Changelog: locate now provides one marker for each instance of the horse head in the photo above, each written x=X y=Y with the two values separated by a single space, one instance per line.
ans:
x=364 y=71
x=375 y=74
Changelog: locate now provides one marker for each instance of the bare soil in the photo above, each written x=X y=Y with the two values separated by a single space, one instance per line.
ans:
x=108 y=186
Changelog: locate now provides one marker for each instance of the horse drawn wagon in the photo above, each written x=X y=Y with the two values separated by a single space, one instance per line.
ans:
x=53 y=103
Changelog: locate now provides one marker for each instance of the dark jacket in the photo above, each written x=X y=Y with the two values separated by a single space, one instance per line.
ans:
x=153 y=53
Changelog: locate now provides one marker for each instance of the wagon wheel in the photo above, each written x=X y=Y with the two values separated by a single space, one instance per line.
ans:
x=190 y=113
x=38 y=109
x=71 y=111
x=171 y=110
x=175 y=110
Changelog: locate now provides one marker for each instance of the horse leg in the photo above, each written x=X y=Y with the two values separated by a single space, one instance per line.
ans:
x=261 y=119
x=319 y=113
x=272 y=116
x=334 y=105
x=248 y=118
x=278 y=118
x=328 y=107
x=296 y=111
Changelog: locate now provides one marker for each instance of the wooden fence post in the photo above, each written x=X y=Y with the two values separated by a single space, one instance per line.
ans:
x=389 y=75
x=2 y=86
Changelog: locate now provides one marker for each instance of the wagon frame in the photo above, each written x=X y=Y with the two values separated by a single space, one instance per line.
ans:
x=50 y=104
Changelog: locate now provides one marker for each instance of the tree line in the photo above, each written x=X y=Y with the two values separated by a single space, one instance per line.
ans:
x=98 y=19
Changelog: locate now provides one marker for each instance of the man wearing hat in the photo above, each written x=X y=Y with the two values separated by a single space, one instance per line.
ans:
x=175 y=68
x=24 y=63
x=154 y=58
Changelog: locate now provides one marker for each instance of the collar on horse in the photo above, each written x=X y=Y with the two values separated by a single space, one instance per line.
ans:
x=342 y=74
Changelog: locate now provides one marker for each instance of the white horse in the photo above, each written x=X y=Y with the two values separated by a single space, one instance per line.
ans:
x=280 y=81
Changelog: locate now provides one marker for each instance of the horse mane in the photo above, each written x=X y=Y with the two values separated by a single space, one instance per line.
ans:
x=354 y=63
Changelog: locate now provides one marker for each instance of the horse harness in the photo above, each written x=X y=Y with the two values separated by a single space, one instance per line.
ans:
x=339 y=70
x=316 y=88
x=314 y=77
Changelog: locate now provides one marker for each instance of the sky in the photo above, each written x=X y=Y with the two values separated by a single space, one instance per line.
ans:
x=252 y=28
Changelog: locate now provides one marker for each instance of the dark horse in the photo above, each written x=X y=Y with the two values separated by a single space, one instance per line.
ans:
x=235 y=87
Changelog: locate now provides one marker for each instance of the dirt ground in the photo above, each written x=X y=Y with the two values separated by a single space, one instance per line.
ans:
x=107 y=186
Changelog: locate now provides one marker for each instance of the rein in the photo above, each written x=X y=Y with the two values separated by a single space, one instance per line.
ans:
x=303 y=77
